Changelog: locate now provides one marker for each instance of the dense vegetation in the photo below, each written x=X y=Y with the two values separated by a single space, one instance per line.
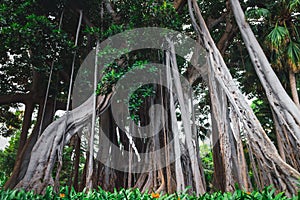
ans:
x=133 y=194
x=227 y=144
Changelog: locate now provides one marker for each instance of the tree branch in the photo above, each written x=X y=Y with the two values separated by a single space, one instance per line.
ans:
x=213 y=22
x=111 y=11
x=179 y=4
x=14 y=98
x=230 y=30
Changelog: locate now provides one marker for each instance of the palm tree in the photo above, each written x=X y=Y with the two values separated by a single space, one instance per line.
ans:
x=283 y=38
x=284 y=41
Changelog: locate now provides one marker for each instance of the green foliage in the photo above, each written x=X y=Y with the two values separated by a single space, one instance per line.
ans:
x=277 y=36
x=257 y=13
x=207 y=163
x=293 y=52
x=280 y=27
x=68 y=158
x=30 y=41
x=135 y=14
x=113 y=29
x=113 y=73
x=202 y=110
x=135 y=194
x=7 y=158
x=139 y=13
x=10 y=121
x=262 y=111
x=3 y=179
x=137 y=98
x=276 y=27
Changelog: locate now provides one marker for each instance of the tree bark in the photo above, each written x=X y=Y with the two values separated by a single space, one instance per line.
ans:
x=242 y=169
x=75 y=183
x=178 y=4
x=178 y=168
x=277 y=96
x=269 y=161
x=41 y=155
x=29 y=107
x=229 y=33
x=293 y=85
x=222 y=142
x=285 y=110
x=22 y=159
x=199 y=186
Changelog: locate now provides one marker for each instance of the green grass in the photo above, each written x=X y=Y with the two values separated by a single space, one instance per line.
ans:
x=133 y=194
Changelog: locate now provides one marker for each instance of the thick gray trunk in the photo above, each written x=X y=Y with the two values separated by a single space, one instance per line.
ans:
x=175 y=130
x=285 y=110
x=191 y=144
x=263 y=150
x=43 y=155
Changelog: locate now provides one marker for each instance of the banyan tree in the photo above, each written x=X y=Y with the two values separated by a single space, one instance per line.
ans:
x=131 y=106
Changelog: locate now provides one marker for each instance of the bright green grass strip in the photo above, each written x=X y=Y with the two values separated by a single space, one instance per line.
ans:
x=135 y=194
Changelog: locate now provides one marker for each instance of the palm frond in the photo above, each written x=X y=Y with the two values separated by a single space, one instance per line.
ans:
x=294 y=55
x=257 y=13
x=278 y=37
x=294 y=4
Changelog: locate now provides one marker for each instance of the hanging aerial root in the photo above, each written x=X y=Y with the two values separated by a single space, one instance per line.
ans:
x=263 y=150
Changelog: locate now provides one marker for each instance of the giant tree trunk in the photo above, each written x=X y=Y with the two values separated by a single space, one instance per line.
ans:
x=267 y=159
x=231 y=115
x=40 y=160
x=285 y=110
x=22 y=159
x=293 y=85
x=192 y=149
x=178 y=167
x=223 y=179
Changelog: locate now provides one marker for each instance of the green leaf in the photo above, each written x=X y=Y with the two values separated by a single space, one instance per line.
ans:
x=294 y=53
x=294 y=5
x=278 y=36
x=257 y=13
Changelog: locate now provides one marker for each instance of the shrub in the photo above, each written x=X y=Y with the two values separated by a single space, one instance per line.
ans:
x=133 y=194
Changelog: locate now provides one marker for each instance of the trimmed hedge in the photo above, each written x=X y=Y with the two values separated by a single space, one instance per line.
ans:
x=135 y=194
